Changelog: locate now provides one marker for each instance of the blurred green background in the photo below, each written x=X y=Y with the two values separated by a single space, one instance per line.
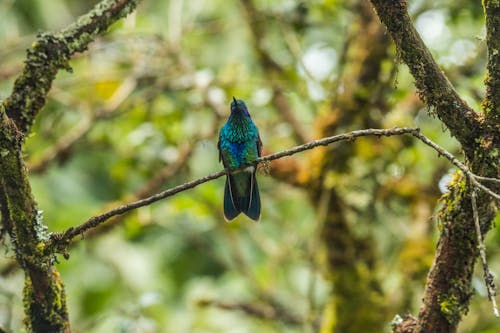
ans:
x=140 y=113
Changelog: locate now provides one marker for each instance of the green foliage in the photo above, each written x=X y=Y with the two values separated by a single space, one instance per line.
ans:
x=148 y=89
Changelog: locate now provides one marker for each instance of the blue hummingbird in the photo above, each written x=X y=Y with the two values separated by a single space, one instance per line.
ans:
x=239 y=144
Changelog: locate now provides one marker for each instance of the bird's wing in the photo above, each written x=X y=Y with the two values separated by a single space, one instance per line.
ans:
x=259 y=145
x=218 y=148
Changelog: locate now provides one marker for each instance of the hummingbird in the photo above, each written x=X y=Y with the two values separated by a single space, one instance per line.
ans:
x=239 y=144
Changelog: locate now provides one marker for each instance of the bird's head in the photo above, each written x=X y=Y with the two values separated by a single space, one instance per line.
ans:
x=238 y=107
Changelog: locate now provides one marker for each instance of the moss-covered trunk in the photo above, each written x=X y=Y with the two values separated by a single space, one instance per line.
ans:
x=44 y=297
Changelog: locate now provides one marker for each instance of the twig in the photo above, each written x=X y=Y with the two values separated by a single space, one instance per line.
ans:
x=68 y=235
x=473 y=178
x=488 y=277
x=147 y=189
x=61 y=239
x=487 y=179
x=167 y=172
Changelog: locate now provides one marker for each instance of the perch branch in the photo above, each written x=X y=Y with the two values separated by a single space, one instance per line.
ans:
x=59 y=241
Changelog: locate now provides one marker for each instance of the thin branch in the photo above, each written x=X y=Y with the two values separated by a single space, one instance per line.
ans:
x=488 y=277
x=147 y=189
x=167 y=172
x=433 y=86
x=457 y=163
x=286 y=171
x=488 y=179
x=60 y=240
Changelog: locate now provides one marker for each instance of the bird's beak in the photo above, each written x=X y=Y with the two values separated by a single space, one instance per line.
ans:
x=234 y=100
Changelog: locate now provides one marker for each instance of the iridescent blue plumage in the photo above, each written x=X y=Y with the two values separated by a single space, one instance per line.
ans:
x=239 y=144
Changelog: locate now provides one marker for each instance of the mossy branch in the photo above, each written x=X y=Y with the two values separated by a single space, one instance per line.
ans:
x=433 y=86
x=44 y=296
x=52 y=52
x=59 y=241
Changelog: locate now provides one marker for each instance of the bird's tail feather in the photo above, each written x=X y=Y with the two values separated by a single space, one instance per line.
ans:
x=230 y=209
x=241 y=195
x=253 y=208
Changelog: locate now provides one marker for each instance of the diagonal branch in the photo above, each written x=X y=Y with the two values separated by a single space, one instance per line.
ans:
x=433 y=86
x=51 y=52
x=59 y=241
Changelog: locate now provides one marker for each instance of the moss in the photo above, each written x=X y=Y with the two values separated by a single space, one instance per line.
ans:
x=48 y=316
x=45 y=306
x=451 y=307
x=27 y=292
x=59 y=299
